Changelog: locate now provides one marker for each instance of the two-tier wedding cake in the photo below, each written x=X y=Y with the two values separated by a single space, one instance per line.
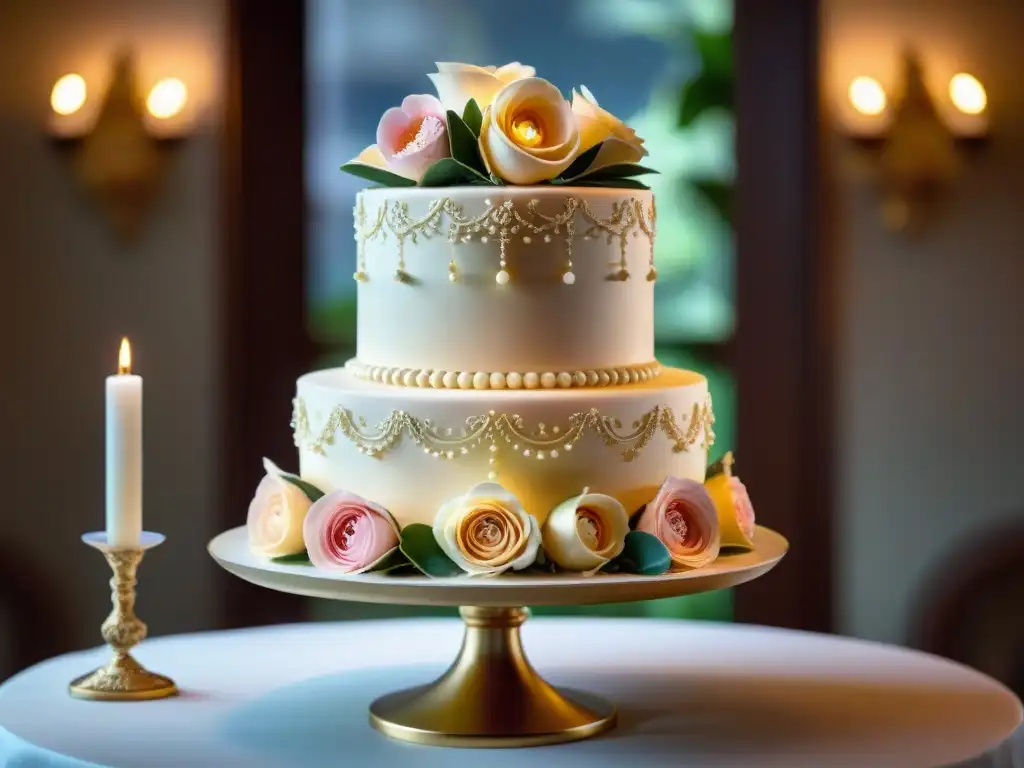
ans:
x=505 y=409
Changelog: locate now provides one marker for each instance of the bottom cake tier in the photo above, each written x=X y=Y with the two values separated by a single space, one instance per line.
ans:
x=410 y=449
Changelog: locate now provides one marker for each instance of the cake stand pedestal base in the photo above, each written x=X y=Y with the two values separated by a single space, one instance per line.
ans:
x=491 y=696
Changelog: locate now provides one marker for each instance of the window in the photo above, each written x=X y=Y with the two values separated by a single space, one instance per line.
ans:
x=662 y=65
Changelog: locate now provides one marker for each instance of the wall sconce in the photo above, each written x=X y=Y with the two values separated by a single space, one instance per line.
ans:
x=916 y=143
x=120 y=151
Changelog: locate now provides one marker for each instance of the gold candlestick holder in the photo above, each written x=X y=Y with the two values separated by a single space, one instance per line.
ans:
x=123 y=678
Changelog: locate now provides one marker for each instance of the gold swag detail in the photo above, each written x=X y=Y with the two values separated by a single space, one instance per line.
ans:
x=502 y=221
x=505 y=431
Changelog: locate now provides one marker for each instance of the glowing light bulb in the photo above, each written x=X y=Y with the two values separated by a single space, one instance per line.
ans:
x=167 y=98
x=867 y=96
x=968 y=95
x=68 y=94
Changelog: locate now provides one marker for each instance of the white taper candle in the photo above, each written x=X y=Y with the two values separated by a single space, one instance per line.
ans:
x=124 y=453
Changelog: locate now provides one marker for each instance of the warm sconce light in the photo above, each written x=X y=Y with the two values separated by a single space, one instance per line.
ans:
x=967 y=94
x=118 y=154
x=68 y=94
x=915 y=145
x=167 y=98
x=867 y=96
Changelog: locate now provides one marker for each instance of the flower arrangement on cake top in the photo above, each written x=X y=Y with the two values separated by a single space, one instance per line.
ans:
x=487 y=531
x=496 y=126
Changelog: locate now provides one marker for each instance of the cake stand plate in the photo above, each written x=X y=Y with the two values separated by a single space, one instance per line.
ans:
x=491 y=696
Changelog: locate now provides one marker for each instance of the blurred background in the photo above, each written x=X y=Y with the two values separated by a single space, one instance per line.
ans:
x=842 y=256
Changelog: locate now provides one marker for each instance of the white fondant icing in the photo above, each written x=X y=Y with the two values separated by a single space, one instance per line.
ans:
x=536 y=314
x=544 y=467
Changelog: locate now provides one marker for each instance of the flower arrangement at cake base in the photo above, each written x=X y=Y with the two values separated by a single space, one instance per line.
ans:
x=486 y=531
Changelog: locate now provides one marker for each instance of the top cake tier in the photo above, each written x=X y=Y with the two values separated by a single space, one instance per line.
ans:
x=475 y=283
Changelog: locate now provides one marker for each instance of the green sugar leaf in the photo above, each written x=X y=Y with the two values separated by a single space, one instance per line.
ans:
x=299 y=558
x=377 y=175
x=449 y=172
x=423 y=551
x=473 y=117
x=579 y=166
x=464 y=145
x=395 y=560
x=643 y=554
x=312 y=492
x=619 y=171
x=610 y=183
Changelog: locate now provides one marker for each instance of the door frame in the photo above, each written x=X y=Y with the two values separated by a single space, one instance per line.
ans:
x=264 y=276
x=785 y=323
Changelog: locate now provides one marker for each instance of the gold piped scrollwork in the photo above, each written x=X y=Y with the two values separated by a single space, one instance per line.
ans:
x=502 y=221
x=505 y=431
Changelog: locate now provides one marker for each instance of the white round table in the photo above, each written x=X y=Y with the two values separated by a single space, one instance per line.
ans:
x=688 y=694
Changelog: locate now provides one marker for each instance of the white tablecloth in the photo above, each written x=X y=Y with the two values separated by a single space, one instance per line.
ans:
x=688 y=694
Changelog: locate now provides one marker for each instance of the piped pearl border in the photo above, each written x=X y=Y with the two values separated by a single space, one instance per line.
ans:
x=437 y=379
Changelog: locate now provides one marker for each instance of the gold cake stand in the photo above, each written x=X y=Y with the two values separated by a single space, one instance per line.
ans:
x=491 y=696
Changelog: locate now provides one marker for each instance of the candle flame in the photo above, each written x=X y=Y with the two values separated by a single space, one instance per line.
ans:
x=124 y=357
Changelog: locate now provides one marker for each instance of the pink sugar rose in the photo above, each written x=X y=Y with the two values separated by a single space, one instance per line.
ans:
x=346 y=533
x=744 y=507
x=413 y=137
x=683 y=517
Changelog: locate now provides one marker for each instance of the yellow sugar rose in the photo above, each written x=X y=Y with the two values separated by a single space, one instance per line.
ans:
x=732 y=502
x=486 y=531
x=457 y=83
x=596 y=125
x=528 y=133
x=512 y=71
